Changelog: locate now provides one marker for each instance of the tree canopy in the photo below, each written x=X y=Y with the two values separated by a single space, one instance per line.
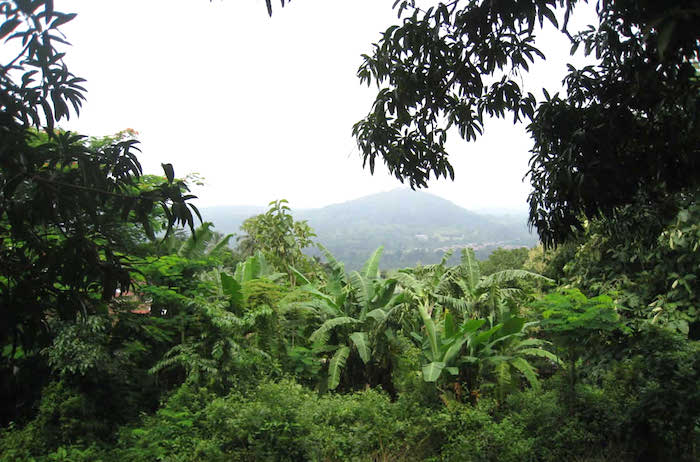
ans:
x=65 y=200
x=625 y=131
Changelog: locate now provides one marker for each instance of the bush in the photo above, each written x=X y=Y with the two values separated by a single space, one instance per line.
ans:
x=475 y=435
x=658 y=386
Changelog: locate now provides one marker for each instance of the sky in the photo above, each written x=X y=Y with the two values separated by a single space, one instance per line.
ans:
x=262 y=108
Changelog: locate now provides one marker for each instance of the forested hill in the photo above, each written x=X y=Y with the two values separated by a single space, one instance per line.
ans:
x=413 y=227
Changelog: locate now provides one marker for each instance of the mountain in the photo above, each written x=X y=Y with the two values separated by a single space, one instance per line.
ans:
x=413 y=226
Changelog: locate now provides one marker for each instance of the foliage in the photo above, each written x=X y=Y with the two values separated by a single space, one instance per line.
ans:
x=578 y=325
x=662 y=373
x=475 y=435
x=79 y=348
x=65 y=201
x=454 y=64
x=649 y=257
x=279 y=237
x=275 y=421
x=354 y=310
x=504 y=259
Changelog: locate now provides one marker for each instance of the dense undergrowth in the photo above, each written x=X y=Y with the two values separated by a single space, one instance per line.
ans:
x=236 y=362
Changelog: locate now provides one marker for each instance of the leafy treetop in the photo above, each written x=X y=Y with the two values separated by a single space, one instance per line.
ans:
x=626 y=130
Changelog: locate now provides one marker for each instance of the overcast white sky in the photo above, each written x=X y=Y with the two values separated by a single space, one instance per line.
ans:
x=263 y=107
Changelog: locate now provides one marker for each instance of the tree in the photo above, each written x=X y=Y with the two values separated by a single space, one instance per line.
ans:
x=504 y=259
x=627 y=130
x=64 y=199
x=578 y=325
x=279 y=237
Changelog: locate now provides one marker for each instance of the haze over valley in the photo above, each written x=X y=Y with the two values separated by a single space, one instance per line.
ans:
x=413 y=226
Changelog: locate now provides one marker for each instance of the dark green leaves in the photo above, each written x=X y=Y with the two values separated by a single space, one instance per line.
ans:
x=71 y=208
x=626 y=130
x=432 y=72
x=169 y=173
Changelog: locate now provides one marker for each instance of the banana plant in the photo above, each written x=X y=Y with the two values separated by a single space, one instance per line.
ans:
x=205 y=242
x=499 y=351
x=503 y=355
x=463 y=290
x=443 y=342
x=494 y=296
x=354 y=309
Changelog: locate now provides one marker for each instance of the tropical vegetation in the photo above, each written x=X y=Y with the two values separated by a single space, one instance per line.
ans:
x=124 y=336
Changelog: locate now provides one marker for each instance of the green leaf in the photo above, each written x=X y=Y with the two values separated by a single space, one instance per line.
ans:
x=472 y=325
x=377 y=314
x=299 y=275
x=169 y=172
x=370 y=270
x=362 y=289
x=432 y=371
x=513 y=325
x=430 y=331
x=336 y=365
x=362 y=345
x=453 y=350
x=483 y=336
x=526 y=369
x=326 y=327
x=540 y=352
x=450 y=328
x=471 y=268
x=232 y=289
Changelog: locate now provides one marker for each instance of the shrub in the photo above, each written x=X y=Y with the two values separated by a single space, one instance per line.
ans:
x=475 y=435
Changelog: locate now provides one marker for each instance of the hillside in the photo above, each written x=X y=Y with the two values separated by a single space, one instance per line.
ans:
x=413 y=226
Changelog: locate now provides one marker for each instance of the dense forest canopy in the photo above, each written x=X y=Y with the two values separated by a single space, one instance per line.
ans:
x=123 y=337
